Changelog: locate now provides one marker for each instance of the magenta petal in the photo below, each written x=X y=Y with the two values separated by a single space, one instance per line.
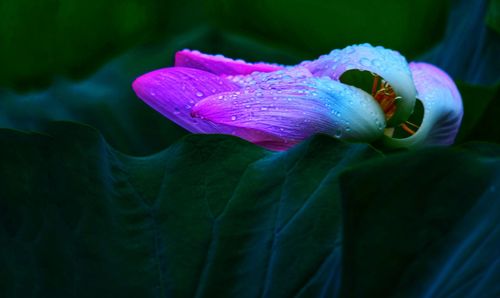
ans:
x=272 y=80
x=220 y=65
x=282 y=115
x=174 y=91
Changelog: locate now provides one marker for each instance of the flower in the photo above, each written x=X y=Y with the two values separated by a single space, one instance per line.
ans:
x=278 y=106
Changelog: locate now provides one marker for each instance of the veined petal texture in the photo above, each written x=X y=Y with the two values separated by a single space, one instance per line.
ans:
x=280 y=114
x=174 y=91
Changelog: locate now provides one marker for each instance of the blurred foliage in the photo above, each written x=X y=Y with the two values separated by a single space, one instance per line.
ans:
x=469 y=50
x=493 y=16
x=43 y=38
x=316 y=27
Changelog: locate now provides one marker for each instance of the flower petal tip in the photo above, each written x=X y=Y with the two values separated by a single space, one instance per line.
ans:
x=220 y=65
x=443 y=109
x=174 y=91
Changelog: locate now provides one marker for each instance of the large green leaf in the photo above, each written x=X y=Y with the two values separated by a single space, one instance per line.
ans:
x=215 y=216
x=210 y=216
x=423 y=224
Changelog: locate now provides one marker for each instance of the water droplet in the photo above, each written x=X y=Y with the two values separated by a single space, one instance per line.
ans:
x=365 y=62
x=349 y=50
x=233 y=118
x=176 y=111
x=338 y=133
x=199 y=94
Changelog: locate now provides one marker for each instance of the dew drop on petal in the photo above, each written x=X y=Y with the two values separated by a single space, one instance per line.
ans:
x=376 y=63
x=365 y=62
x=233 y=118
x=199 y=94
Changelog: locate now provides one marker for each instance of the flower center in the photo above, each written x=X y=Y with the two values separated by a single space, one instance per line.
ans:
x=386 y=98
x=384 y=95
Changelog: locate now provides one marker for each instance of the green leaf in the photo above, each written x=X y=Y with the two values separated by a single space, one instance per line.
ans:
x=211 y=216
x=318 y=26
x=215 y=216
x=423 y=224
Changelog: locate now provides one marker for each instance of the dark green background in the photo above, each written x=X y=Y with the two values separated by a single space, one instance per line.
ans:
x=102 y=196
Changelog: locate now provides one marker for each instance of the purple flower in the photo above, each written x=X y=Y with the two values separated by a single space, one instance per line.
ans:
x=278 y=106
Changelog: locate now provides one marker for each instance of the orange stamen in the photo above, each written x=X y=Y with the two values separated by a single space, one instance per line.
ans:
x=407 y=129
x=411 y=124
x=385 y=96
x=375 y=84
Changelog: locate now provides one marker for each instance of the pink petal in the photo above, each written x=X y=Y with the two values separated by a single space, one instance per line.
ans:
x=220 y=65
x=272 y=80
x=282 y=114
x=174 y=91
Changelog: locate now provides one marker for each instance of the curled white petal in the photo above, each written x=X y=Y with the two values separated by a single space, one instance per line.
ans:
x=443 y=108
x=388 y=64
